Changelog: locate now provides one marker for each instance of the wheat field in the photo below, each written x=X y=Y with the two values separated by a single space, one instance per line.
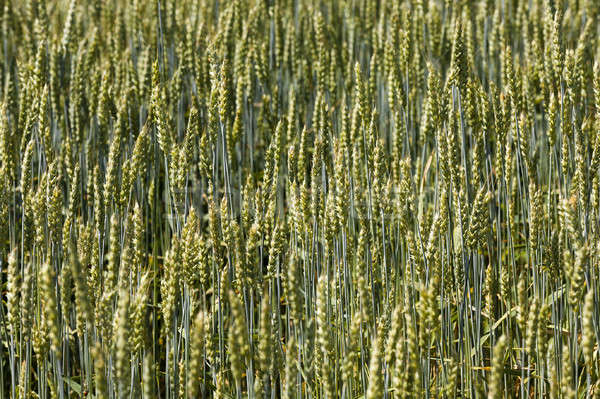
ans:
x=277 y=199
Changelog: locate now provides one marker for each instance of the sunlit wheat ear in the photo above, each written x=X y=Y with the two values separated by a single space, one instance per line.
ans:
x=100 y=382
x=375 y=388
x=138 y=314
x=14 y=289
x=238 y=348
x=84 y=305
x=264 y=359
x=497 y=380
x=121 y=342
x=589 y=339
x=50 y=306
x=197 y=355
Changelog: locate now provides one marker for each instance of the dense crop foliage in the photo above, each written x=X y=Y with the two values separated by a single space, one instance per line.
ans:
x=294 y=198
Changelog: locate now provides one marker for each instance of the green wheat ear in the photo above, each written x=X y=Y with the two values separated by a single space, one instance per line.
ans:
x=283 y=199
